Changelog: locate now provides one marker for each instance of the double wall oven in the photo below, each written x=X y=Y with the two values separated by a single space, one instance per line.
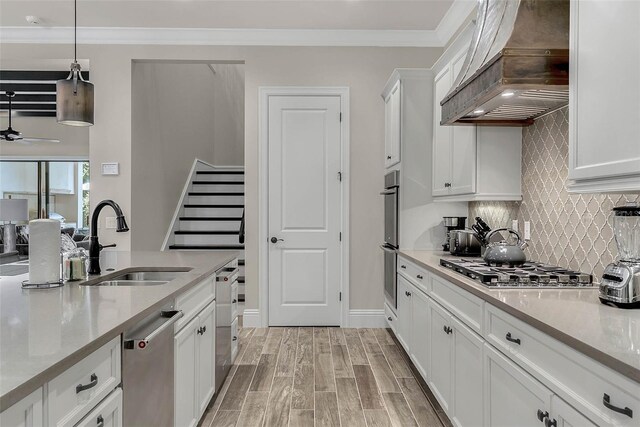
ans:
x=391 y=242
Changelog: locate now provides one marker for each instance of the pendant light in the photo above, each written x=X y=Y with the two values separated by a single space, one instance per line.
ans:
x=74 y=96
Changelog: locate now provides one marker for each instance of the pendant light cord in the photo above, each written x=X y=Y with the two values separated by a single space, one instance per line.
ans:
x=75 y=31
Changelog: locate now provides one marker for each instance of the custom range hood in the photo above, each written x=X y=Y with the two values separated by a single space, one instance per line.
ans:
x=517 y=66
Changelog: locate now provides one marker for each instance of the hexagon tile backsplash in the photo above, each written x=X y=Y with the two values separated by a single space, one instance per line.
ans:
x=568 y=230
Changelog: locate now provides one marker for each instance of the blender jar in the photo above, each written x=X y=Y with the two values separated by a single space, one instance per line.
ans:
x=626 y=229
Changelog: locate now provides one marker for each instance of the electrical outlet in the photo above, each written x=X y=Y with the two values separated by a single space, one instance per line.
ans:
x=110 y=222
x=527 y=230
x=514 y=225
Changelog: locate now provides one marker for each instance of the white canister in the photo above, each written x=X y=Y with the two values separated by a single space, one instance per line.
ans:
x=44 y=251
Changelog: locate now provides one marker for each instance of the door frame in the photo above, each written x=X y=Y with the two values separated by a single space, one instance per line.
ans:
x=264 y=92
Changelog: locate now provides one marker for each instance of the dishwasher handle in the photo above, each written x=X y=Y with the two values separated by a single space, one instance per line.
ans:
x=140 y=344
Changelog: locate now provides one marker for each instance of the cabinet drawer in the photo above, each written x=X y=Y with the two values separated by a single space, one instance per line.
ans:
x=194 y=300
x=73 y=393
x=462 y=304
x=28 y=412
x=577 y=379
x=416 y=275
x=234 y=339
x=108 y=413
x=234 y=300
x=390 y=317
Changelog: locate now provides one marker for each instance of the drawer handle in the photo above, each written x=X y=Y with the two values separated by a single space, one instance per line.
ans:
x=606 y=401
x=100 y=421
x=202 y=330
x=550 y=423
x=515 y=340
x=542 y=415
x=403 y=266
x=407 y=293
x=234 y=338
x=447 y=329
x=389 y=319
x=419 y=276
x=93 y=383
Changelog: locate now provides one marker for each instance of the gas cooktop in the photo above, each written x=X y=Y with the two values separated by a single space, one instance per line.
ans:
x=531 y=274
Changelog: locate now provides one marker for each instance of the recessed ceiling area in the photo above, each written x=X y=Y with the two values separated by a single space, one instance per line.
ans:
x=239 y=14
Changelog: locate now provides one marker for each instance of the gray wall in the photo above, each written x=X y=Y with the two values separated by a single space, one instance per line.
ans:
x=179 y=112
x=363 y=70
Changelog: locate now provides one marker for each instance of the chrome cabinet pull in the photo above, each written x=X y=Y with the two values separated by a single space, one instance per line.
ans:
x=509 y=338
x=93 y=383
x=606 y=401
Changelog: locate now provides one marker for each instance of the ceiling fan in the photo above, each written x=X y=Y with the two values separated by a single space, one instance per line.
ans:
x=11 y=135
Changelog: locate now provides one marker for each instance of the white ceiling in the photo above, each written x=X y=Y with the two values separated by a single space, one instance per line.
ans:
x=263 y=14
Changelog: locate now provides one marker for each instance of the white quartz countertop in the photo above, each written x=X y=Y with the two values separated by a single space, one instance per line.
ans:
x=44 y=332
x=573 y=316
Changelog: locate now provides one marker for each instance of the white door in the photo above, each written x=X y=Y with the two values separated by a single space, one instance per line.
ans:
x=185 y=375
x=304 y=210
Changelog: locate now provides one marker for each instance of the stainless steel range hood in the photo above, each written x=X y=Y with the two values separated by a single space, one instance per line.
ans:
x=517 y=67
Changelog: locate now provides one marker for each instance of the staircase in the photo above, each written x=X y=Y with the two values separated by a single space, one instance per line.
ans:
x=210 y=212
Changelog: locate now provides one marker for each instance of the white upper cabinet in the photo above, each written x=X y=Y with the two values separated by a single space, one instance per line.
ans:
x=392 y=125
x=472 y=162
x=604 y=96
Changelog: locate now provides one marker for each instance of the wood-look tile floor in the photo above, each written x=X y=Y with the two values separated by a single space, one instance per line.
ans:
x=319 y=377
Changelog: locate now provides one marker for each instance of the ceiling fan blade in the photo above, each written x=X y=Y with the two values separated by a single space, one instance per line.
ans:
x=29 y=140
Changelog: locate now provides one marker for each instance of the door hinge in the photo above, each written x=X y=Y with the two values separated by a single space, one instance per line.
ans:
x=340 y=116
x=340 y=296
x=340 y=176
x=340 y=236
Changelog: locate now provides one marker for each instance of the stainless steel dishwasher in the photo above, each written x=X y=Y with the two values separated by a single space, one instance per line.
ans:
x=225 y=278
x=147 y=370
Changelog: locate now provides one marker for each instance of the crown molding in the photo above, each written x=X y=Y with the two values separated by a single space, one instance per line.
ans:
x=221 y=37
x=453 y=19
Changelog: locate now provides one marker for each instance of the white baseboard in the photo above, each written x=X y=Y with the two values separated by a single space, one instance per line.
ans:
x=367 y=319
x=251 y=318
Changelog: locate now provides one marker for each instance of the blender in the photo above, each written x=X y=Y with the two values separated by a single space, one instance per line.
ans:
x=620 y=285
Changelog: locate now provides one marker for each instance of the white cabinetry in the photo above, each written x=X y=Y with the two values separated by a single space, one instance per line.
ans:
x=469 y=162
x=29 y=412
x=467 y=376
x=194 y=348
x=404 y=311
x=604 y=111
x=392 y=126
x=107 y=414
x=565 y=416
x=440 y=357
x=420 y=332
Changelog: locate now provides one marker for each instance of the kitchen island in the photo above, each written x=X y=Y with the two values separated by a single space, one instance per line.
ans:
x=45 y=332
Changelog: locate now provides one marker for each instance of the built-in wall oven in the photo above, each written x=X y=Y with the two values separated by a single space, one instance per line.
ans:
x=390 y=246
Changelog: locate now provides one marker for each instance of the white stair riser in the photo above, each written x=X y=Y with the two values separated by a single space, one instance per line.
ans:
x=226 y=188
x=216 y=200
x=241 y=270
x=224 y=212
x=206 y=239
x=210 y=225
x=218 y=177
x=240 y=288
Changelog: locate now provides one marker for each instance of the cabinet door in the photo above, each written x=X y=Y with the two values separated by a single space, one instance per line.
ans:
x=108 y=413
x=566 y=416
x=463 y=146
x=403 y=330
x=604 y=111
x=513 y=397
x=392 y=126
x=206 y=333
x=420 y=332
x=440 y=355
x=185 y=375
x=26 y=413
x=467 y=376
x=441 y=137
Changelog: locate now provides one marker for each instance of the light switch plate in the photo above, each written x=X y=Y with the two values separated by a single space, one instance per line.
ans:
x=527 y=230
x=111 y=168
x=110 y=222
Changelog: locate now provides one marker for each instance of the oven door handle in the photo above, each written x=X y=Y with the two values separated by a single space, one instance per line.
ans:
x=390 y=192
x=388 y=249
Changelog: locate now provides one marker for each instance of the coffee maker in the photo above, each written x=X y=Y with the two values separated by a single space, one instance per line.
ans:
x=452 y=223
x=620 y=285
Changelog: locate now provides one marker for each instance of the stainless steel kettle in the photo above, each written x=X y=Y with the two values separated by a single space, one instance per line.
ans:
x=503 y=252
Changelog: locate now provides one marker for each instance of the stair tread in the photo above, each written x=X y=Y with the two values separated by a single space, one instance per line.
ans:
x=208 y=205
x=189 y=232
x=206 y=247
x=215 y=193
x=220 y=172
x=240 y=262
x=218 y=182
x=210 y=218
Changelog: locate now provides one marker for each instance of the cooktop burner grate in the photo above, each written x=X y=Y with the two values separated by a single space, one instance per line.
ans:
x=531 y=274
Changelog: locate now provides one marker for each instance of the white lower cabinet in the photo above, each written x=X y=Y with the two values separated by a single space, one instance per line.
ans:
x=564 y=415
x=194 y=367
x=107 y=414
x=29 y=412
x=440 y=356
x=467 y=372
x=513 y=397
x=420 y=332
x=403 y=328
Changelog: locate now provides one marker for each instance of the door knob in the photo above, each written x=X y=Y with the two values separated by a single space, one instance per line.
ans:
x=276 y=240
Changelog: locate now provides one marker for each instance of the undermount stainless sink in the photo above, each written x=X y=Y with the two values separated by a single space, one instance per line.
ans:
x=141 y=278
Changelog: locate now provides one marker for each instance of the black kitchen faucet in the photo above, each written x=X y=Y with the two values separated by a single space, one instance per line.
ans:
x=94 y=245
